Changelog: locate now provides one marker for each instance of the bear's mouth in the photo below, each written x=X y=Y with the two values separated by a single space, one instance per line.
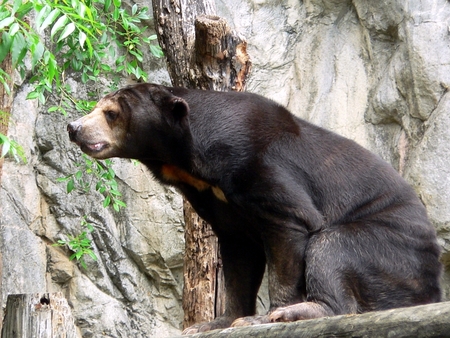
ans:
x=95 y=147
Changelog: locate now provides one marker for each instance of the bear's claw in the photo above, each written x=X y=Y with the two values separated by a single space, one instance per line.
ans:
x=251 y=320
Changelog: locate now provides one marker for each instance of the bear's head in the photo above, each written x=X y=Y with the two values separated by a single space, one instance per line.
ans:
x=137 y=121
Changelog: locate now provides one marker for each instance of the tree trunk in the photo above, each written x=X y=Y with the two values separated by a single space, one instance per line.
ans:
x=425 y=321
x=202 y=52
x=6 y=101
x=39 y=315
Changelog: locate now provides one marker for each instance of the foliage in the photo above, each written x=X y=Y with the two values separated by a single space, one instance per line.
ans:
x=104 y=175
x=81 y=245
x=11 y=147
x=83 y=36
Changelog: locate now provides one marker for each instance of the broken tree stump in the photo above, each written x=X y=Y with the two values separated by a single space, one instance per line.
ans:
x=424 y=321
x=38 y=315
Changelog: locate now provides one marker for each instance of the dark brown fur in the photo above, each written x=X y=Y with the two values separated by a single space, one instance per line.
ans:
x=339 y=230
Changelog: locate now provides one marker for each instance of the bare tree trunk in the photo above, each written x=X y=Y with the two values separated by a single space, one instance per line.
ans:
x=6 y=101
x=39 y=315
x=202 y=52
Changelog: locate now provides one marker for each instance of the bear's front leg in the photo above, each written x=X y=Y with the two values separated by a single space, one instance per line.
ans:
x=244 y=262
x=285 y=250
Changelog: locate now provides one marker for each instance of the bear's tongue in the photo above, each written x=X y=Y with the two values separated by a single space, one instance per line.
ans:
x=96 y=146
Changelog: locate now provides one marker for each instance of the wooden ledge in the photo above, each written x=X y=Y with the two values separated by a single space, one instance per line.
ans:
x=432 y=320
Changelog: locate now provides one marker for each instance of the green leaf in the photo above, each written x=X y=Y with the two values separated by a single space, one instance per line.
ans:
x=107 y=5
x=78 y=174
x=59 y=24
x=156 y=51
x=116 y=13
x=4 y=13
x=37 y=50
x=16 y=6
x=121 y=203
x=116 y=193
x=83 y=264
x=14 y=28
x=107 y=201
x=111 y=172
x=134 y=9
x=138 y=55
x=67 y=31
x=82 y=38
x=81 y=10
x=5 y=45
x=6 y=144
x=73 y=256
x=43 y=13
x=49 y=19
x=70 y=185
x=105 y=67
x=6 y=22
x=52 y=69
x=117 y=3
x=93 y=255
x=63 y=179
x=120 y=60
x=32 y=95
x=18 y=49
x=24 y=8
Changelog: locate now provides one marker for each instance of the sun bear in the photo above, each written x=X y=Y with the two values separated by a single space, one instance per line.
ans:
x=338 y=229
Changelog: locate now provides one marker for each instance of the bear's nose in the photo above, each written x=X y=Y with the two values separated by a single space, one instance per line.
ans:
x=73 y=128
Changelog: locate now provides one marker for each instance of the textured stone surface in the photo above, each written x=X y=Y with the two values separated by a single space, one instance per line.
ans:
x=376 y=72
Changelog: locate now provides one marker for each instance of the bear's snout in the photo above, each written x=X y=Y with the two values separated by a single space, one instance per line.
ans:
x=73 y=129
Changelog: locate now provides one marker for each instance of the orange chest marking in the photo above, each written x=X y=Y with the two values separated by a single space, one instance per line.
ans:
x=174 y=174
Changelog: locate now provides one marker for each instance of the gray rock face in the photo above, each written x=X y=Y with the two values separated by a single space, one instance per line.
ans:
x=376 y=72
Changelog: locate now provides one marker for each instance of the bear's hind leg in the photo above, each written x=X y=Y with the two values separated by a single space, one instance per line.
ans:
x=357 y=268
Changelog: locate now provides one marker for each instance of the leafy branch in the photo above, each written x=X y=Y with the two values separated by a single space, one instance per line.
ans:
x=85 y=35
x=81 y=245
x=88 y=38
x=101 y=172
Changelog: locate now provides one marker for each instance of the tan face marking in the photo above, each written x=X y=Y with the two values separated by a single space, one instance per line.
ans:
x=99 y=137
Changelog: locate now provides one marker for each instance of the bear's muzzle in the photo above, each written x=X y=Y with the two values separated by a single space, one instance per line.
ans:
x=73 y=128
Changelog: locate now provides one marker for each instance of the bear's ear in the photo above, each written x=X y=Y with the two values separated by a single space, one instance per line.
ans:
x=178 y=108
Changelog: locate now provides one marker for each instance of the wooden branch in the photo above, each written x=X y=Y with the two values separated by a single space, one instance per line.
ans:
x=425 y=321
x=38 y=315
x=220 y=54
x=201 y=49
x=174 y=21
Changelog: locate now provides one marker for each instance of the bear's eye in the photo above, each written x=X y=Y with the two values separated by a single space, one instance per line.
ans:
x=111 y=115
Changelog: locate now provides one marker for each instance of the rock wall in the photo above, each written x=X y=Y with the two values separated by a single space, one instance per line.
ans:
x=376 y=72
